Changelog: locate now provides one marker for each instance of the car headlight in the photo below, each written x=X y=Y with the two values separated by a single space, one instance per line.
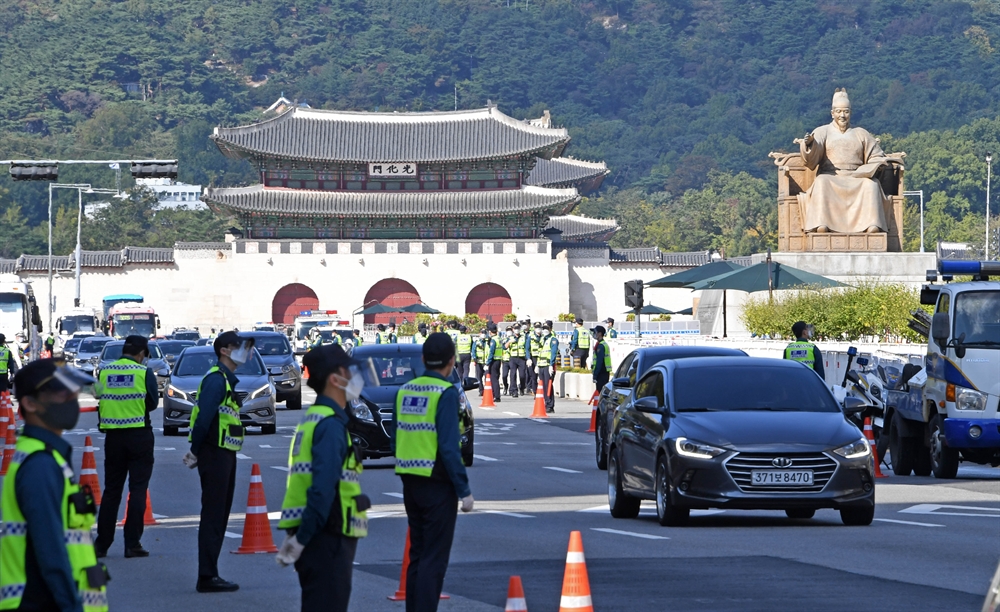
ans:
x=288 y=368
x=176 y=393
x=855 y=450
x=359 y=408
x=163 y=372
x=696 y=450
x=264 y=391
x=969 y=399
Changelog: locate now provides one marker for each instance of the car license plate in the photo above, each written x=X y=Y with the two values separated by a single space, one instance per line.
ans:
x=781 y=477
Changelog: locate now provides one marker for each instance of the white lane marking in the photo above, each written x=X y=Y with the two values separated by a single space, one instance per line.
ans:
x=266 y=446
x=399 y=495
x=287 y=436
x=604 y=508
x=230 y=534
x=509 y=443
x=241 y=456
x=546 y=421
x=882 y=520
x=485 y=408
x=273 y=516
x=160 y=516
x=283 y=468
x=706 y=512
x=645 y=536
x=375 y=515
x=156 y=448
x=559 y=469
x=514 y=514
x=485 y=458
x=568 y=443
x=933 y=509
x=512 y=413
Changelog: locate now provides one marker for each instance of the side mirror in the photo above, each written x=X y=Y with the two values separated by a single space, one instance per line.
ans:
x=620 y=383
x=470 y=383
x=854 y=405
x=649 y=404
x=941 y=328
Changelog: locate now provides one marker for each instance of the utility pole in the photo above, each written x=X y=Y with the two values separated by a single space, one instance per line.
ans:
x=921 y=194
x=989 y=168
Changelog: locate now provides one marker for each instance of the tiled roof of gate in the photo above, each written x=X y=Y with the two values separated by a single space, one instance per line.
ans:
x=321 y=135
x=390 y=203
x=148 y=255
x=8 y=266
x=573 y=226
x=637 y=255
x=655 y=255
x=202 y=246
x=38 y=263
x=685 y=260
x=98 y=259
x=565 y=171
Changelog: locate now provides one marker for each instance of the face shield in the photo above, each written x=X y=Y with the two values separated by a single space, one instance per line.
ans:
x=73 y=379
x=241 y=354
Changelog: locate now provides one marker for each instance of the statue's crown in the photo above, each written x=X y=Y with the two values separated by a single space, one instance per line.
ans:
x=840 y=98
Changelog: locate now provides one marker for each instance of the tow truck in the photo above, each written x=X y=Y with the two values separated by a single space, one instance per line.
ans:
x=20 y=320
x=132 y=318
x=309 y=319
x=948 y=412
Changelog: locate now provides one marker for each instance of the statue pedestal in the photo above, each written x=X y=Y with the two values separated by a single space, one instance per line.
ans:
x=795 y=178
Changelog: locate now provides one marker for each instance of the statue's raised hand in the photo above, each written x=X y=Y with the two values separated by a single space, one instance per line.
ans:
x=806 y=140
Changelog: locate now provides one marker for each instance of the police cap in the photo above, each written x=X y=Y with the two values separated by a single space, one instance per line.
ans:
x=438 y=350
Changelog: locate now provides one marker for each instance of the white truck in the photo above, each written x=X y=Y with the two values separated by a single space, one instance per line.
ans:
x=949 y=412
x=20 y=320
x=307 y=320
x=77 y=321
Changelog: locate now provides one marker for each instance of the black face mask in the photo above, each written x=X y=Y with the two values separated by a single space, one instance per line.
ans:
x=62 y=415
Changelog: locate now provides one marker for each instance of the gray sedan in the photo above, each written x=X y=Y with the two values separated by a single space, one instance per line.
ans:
x=254 y=392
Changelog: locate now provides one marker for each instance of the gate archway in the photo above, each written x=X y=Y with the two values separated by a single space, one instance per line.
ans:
x=489 y=300
x=290 y=300
x=393 y=292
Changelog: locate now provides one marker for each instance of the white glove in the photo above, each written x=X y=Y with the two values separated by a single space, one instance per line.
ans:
x=190 y=460
x=467 y=504
x=529 y=363
x=289 y=552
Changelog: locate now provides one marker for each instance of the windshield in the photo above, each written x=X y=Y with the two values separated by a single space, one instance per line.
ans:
x=977 y=315
x=188 y=335
x=71 y=344
x=173 y=347
x=302 y=328
x=134 y=324
x=76 y=323
x=751 y=388
x=93 y=345
x=398 y=370
x=199 y=363
x=114 y=351
x=12 y=315
x=272 y=345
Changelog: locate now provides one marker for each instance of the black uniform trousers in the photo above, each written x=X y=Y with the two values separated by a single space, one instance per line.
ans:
x=128 y=453
x=545 y=373
x=505 y=376
x=518 y=371
x=325 y=571
x=431 y=511
x=582 y=355
x=464 y=360
x=480 y=374
x=217 y=471
x=602 y=379
x=495 y=379
x=531 y=385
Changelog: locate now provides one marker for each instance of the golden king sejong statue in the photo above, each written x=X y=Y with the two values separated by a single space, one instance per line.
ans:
x=844 y=197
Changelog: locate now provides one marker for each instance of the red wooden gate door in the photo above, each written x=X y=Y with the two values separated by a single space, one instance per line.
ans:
x=489 y=300
x=290 y=300
x=392 y=292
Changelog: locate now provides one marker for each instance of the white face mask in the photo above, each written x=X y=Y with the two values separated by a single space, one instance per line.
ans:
x=352 y=389
x=240 y=355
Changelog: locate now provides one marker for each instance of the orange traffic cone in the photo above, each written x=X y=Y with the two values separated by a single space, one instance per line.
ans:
x=593 y=413
x=305 y=373
x=487 y=393
x=400 y=594
x=576 y=585
x=870 y=436
x=257 y=536
x=147 y=518
x=10 y=442
x=515 y=596
x=538 y=412
x=88 y=471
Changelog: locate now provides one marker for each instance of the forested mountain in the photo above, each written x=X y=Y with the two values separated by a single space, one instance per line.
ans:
x=682 y=98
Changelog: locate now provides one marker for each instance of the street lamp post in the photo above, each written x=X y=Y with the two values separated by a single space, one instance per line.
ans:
x=989 y=168
x=921 y=194
x=79 y=224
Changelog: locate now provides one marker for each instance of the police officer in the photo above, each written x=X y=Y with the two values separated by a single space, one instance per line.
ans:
x=505 y=362
x=579 y=344
x=532 y=346
x=548 y=348
x=8 y=366
x=126 y=393
x=421 y=335
x=602 y=359
x=429 y=461
x=324 y=509
x=494 y=358
x=216 y=436
x=482 y=347
x=463 y=345
x=612 y=333
x=518 y=371
x=804 y=351
x=47 y=559
x=453 y=330
x=358 y=340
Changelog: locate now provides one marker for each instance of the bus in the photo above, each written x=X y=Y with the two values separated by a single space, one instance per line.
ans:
x=131 y=318
x=20 y=320
x=110 y=301
x=78 y=320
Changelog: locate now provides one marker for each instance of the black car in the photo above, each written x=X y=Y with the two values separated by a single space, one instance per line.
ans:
x=285 y=372
x=398 y=364
x=738 y=432
x=619 y=388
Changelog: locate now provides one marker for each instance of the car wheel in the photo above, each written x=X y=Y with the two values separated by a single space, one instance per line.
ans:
x=294 y=402
x=602 y=453
x=900 y=448
x=944 y=460
x=857 y=516
x=171 y=431
x=800 y=513
x=667 y=513
x=622 y=505
x=268 y=429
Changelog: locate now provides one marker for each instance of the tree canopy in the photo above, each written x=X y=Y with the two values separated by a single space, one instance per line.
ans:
x=683 y=99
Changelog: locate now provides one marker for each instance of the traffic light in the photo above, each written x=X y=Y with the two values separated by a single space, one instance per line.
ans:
x=40 y=171
x=633 y=294
x=160 y=169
